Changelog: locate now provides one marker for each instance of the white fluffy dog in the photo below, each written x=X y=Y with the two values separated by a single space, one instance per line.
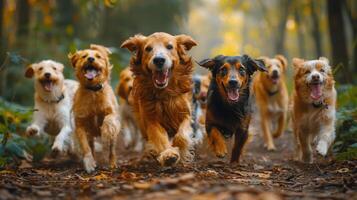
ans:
x=53 y=104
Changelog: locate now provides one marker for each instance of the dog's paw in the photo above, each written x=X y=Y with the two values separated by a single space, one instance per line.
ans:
x=59 y=146
x=220 y=151
x=307 y=158
x=89 y=163
x=322 y=148
x=33 y=130
x=169 y=157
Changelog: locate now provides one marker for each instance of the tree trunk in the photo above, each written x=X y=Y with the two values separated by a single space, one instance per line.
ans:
x=300 y=33
x=280 y=40
x=23 y=17
x=2 y=39
x=316 y=34
x=338 y=39
x=352 y=16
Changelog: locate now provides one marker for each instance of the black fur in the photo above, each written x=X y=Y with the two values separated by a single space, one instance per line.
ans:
x=230 y=118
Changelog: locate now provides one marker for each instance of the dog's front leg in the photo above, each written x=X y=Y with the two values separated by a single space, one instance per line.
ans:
x=38 y=124
x=325 y=138
x=159 y=146
x=63 y=139
x=109 y=133
x=281 y=125
x=264 y=121
x=217 y=142
x=183 y=140
x=82 y=136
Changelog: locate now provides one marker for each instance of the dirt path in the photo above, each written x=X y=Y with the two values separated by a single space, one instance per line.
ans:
x=261 y=175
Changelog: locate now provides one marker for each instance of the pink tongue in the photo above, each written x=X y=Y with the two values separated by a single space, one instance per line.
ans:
x=160 y=77
x=90 y=74
x=48 y=86
x=233 y=94
x=316 y=91
x=275 y=80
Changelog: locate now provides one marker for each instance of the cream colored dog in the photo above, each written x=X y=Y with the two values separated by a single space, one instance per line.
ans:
x=53 y=103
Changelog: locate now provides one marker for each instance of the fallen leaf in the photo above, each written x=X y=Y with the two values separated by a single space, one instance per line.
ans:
x=101 y=176
x=142 y=185
x=343 y=170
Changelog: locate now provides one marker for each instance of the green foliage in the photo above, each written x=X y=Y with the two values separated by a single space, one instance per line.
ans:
x=13 y=121
x=345 y=145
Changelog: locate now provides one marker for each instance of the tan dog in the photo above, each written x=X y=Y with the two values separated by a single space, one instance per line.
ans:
x=314 y=106
x=53 y=103
x=162 y=93
x=95 y=107
x=201 y=84
x=130 y=129
x=271 y=99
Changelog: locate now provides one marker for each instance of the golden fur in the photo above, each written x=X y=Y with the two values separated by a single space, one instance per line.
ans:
x=314 y=102
x=271 y=97
x=95 y=107
x=163 y=111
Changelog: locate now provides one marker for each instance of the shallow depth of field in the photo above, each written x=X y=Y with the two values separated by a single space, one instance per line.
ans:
x=34 y=30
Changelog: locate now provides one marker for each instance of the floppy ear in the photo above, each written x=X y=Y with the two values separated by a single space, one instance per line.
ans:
x=100 y=48
x=29 y=71
x=282 y=60
x=186 y=41
x=325 y=60
x=74 y=57
x=207 y=63
x=133 y=43
x=297 y=62
x=253 y=64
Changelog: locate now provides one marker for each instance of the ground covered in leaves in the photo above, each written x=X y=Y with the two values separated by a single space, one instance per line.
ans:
x=261 y=175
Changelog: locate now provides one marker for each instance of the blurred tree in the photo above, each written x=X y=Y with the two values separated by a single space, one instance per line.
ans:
x=2 y=41
x=351 y=9
x=338 y=38
x=316 y=27
x=285 y=9
x=23 y=17
x=300 y=30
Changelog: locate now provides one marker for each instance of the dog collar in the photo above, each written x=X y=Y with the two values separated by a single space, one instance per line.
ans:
x=58 y=100
x=95 y=88
x=319 y=104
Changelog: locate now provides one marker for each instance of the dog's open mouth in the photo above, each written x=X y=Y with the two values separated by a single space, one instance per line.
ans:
x=47 y=84
x=274 y=79
x=90 y=72
x=161 y=78
x=316 y=90
x=232 y=94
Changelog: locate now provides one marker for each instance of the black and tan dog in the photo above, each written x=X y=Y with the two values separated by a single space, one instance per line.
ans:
x=228 y=108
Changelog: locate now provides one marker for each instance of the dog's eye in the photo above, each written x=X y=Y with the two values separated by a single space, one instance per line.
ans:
x=307 y=72
x=322 y=70
x=84 y=56
x=41 y=68
x=54 y=68
x=242 y=71
x=98 y=56
x=148 y=48
x=169 y=46
x=224 y=71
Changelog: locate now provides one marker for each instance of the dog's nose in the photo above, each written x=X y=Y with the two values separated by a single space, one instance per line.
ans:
x=275 y=74
x=159 y=61
x=47 y=75
x=90 y=59
x=315 y=77
x=233 y=83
